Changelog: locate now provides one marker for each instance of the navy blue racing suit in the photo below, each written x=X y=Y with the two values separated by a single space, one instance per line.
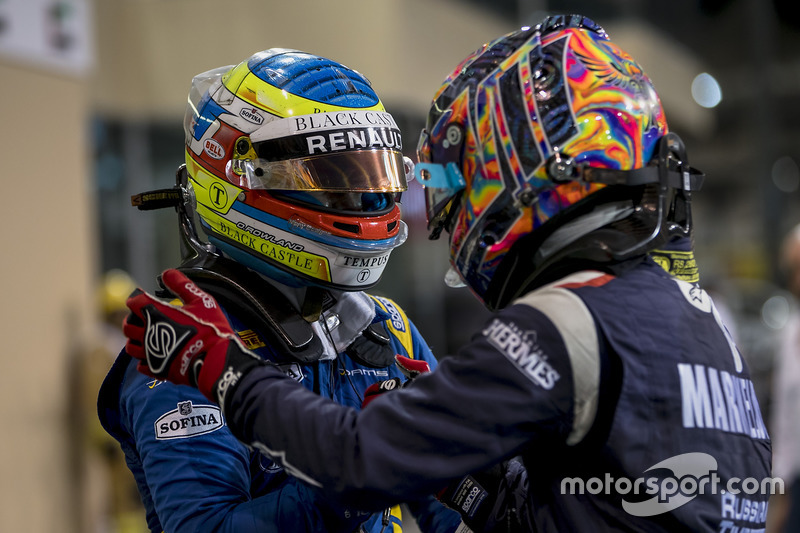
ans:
x=623 y=394
x=193 y=475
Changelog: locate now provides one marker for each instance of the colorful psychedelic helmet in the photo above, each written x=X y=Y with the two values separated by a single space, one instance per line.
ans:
x=294 y=165
x=545 y=149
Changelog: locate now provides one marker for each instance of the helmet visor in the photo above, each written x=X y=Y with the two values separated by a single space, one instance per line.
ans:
x=345 y=203
x=341 y=151
x=358 y=171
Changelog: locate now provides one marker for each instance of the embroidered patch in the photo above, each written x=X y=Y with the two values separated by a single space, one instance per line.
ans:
x=397 y=319
x=188 y=420
x=682 y=265
x=522 y=349
x=251 y=339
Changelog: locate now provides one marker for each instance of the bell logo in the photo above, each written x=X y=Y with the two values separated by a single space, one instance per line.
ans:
x=213 y=149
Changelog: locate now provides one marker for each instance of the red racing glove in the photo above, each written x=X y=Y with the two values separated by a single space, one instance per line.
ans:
x=191 y=344
x=411 y=368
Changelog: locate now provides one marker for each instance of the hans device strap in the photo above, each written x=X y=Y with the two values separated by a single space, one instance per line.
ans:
x=268 y=310
x=372 y=348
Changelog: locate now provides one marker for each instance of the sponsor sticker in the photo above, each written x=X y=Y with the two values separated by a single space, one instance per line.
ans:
x=330 y=132
x=353 y=139
x=188 y=420
x=318 y=122
x=251 y=114
x=213 y=149
x=275 y=247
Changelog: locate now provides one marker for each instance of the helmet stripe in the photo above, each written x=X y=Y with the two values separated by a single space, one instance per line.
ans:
x=521 y=134
x=547 y=64
x=483 y=63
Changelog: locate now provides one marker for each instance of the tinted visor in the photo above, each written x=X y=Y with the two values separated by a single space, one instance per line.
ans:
x=353 y=203
x=358 y=171
x=337 y=151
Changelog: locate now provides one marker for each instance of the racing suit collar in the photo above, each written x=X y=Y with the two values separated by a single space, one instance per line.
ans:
x=344 y=317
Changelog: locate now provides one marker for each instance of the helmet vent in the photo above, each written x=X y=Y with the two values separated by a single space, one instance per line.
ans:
x=315 y=78
x=352 y=228
x=391 y=225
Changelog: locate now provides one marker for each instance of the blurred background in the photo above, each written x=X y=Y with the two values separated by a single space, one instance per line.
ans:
x=92 y=93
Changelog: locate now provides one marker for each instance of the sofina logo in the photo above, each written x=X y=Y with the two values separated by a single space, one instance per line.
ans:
x=188 y=420
x=690 y=475
x=251 y=114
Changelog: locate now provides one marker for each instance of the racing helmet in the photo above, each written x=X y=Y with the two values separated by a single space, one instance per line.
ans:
x=545 y=147
x=293 y=167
